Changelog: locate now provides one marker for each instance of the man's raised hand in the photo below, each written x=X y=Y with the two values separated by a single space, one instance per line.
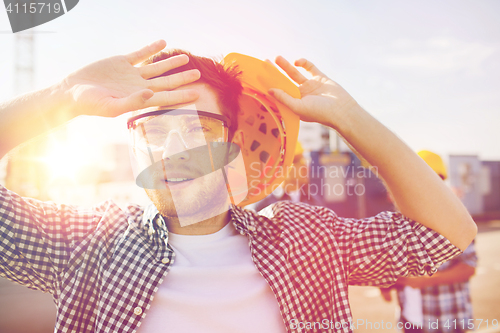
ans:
x=323 y=100
x=115 y=85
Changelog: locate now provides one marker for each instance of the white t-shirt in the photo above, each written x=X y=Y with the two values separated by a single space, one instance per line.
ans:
x=213 y=287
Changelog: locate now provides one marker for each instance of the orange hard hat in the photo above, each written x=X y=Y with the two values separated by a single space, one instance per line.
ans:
x=269 y=128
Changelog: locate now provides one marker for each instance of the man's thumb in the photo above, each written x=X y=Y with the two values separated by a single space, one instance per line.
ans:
x=283 y=97
x=135 y=101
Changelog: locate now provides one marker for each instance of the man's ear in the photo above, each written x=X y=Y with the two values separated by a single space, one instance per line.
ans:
x=238 y=139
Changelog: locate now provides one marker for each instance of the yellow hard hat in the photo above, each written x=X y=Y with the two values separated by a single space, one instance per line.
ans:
x=435 y=162
x=299 y=150
x=269 y=128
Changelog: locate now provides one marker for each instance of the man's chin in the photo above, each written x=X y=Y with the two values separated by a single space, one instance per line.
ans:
x=162 y=199
x=188 y=208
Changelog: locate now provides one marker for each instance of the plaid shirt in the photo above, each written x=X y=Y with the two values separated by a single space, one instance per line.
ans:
x=104 y=265
x=447 y=302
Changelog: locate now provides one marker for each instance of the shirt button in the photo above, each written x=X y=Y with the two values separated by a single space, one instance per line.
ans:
x=251 y=228
x=151 y=231
x=165 y=260
x=138 y=310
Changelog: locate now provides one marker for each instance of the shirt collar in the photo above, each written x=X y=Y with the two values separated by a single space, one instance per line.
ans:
x=152 y=220
x=240 y=219
x=245 y=222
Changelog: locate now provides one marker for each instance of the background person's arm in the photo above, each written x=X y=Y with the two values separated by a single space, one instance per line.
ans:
x=419 y=193
x=108 y=87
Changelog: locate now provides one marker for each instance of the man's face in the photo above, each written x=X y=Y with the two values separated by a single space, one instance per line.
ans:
x=184 y=188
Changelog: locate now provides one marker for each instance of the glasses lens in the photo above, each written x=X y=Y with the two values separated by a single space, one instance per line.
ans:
x=154 y=133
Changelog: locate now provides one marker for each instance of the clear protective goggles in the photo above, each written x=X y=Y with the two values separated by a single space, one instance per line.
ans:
x=153 y=130
x=175 y=149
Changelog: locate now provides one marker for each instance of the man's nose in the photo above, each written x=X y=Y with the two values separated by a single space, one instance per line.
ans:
x=175 y=148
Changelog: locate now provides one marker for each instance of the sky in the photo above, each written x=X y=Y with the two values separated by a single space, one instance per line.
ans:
x=428 y=70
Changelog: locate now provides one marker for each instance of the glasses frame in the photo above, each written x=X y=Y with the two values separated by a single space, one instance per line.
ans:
x=226 y=122
x=224 y=119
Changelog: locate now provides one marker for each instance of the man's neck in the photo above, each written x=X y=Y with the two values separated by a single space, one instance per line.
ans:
x=206 y=227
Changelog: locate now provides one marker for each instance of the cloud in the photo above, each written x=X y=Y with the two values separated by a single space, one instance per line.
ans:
x=437 y=55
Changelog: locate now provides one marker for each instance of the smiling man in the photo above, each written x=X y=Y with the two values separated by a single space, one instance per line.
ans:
x=226 y=269
x=171 y=147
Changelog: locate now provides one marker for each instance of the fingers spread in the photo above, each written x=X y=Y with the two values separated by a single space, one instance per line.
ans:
x=290 y=70
x=160 y=67
x=173 y=81
x=138 y=56
x=308 y=66
x=169 y=98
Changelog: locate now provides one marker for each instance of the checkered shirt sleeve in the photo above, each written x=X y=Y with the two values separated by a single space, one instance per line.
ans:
x=37 y=238
x=469 y=256
x=377 y=250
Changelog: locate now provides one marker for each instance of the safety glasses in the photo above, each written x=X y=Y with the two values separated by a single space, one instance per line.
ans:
x=152 y=131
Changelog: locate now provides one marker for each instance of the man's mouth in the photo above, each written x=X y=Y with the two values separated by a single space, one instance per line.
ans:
x=173 y=181
x=179 y=180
